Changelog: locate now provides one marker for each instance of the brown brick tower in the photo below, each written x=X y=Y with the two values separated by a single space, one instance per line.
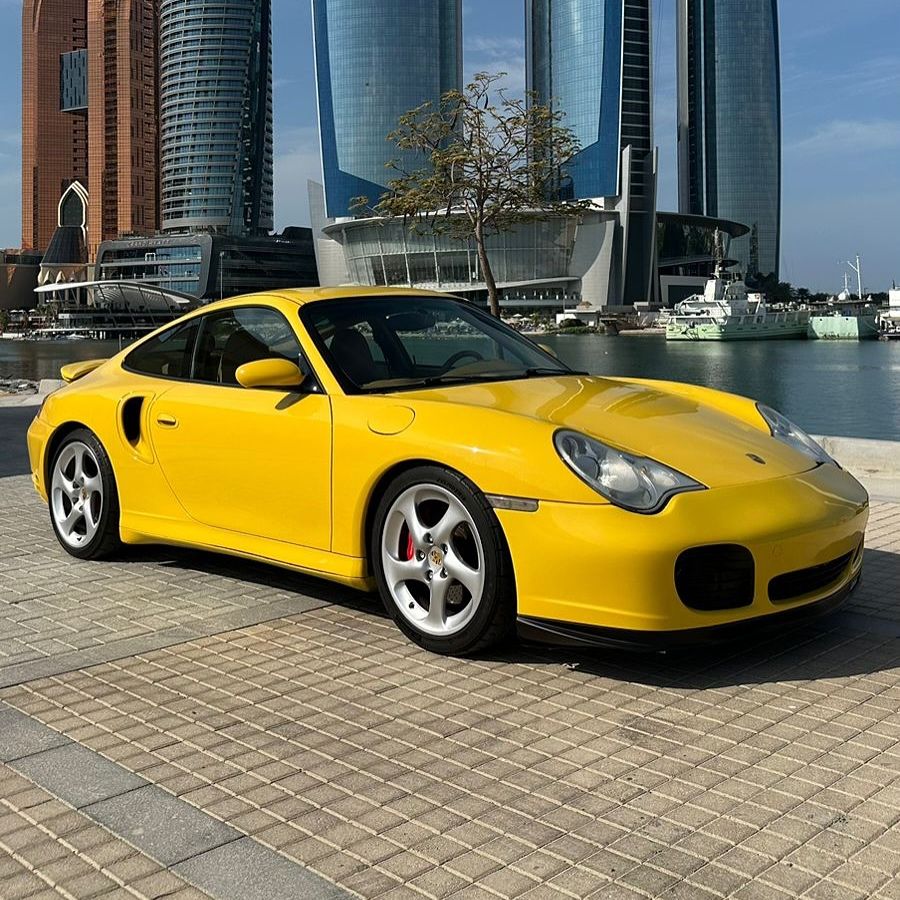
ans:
x=54 y=141
x=89 y=114
x=122 y=121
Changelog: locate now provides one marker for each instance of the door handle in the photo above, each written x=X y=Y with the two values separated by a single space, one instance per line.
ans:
x=166 y=420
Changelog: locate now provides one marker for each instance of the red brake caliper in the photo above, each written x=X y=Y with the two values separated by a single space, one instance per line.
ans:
x=410 y=547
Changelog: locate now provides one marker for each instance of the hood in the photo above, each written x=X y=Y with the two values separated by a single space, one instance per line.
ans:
x=695 y=436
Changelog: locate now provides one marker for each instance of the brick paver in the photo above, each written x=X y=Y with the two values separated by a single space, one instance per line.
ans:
x=53 y=608
x=769 y=769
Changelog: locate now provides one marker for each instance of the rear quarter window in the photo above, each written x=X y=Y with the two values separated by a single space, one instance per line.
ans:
x=168 y=354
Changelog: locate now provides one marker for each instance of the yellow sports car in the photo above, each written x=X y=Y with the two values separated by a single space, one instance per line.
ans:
x=405 y=440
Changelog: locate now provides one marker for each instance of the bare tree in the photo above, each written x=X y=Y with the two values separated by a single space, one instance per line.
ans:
x=488 y=162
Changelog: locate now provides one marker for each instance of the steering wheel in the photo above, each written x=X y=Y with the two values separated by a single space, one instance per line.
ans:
x=460 y=355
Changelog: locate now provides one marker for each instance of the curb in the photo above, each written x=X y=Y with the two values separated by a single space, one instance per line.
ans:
x=12 y=401
x=864 y=456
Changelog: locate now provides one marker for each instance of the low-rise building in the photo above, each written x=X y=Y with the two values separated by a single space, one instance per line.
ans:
x=543 y=265
x=211 y=266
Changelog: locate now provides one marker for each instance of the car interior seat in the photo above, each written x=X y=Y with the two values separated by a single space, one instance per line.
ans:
x=241 y=347
x=351 y=352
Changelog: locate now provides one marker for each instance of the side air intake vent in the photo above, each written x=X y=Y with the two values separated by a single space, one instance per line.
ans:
x=131 y=419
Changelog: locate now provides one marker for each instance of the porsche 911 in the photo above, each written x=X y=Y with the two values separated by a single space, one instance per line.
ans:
x=406 y=442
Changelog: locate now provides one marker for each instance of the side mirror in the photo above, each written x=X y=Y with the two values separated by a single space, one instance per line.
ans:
x=270 y=373
x=548 y=349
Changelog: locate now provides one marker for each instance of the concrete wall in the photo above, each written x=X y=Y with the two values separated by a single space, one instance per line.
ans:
x=330 y=261
x=875 y=463
x=594 y=260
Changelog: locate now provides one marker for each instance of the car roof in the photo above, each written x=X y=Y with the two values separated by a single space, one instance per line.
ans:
x=301 y=296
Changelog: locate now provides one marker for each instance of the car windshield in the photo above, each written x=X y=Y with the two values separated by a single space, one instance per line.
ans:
x=383 y=344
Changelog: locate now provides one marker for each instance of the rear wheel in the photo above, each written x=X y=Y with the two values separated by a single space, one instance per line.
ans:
x=84 y=503
x=441 y=562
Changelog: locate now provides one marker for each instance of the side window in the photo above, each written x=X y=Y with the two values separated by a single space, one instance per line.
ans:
x=230 y=338
x=168 y=354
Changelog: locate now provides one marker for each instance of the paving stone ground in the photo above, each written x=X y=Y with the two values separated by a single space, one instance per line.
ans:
x=48 y=850
x=57 y=614
x=759 y=770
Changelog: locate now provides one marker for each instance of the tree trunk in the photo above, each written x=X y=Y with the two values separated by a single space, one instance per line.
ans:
x=487 y=272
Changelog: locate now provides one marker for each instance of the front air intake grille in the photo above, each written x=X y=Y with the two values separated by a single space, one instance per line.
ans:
x=794 y=585
x=718 y=577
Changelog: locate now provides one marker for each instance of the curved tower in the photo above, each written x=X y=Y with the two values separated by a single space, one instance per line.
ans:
x=574 y=65
x=215 y=101
x=729 y=121
x=591 y=61
x=375 y=62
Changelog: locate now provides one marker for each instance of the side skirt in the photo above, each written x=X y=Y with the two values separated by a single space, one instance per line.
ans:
x=347 y=570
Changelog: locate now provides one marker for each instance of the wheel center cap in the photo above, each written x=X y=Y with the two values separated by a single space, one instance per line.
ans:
x=436 y=557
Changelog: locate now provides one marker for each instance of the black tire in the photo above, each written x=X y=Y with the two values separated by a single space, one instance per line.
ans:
x=494 y=619
x=105 y=541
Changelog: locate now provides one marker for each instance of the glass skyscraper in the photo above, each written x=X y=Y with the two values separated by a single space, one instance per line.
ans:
x=729 y=121
x=215 y=97
x=591 y=60
x=374 y=62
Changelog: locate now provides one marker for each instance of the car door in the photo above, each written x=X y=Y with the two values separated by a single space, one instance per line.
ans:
x=250 y=460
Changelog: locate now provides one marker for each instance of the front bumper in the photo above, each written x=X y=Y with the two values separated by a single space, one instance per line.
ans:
x=37 y=438
x=565 y=634
x=603 y=567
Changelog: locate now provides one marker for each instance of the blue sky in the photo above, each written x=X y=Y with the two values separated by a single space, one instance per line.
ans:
x=841 y=87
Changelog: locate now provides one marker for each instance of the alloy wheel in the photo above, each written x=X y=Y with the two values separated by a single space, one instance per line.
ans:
x=433 y=560
x=76 y=494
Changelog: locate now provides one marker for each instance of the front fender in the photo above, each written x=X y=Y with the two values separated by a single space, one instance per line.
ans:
x=501 y=453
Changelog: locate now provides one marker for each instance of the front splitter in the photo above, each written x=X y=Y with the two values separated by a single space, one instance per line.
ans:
x=566 y=634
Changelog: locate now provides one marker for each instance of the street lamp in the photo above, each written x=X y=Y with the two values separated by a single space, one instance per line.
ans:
x=221 y=274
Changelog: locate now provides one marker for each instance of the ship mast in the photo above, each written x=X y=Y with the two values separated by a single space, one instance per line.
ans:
x=719 y=252
x=858 y=269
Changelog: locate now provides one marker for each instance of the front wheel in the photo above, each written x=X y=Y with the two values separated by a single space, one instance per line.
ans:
x=84 y=503
x=441 y=562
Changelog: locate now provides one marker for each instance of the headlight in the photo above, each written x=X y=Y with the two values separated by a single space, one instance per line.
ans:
x=784 y=430
x=633 y=482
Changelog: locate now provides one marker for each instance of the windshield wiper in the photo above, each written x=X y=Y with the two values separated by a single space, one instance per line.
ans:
x=474 y=377
x=536 y=371
x=450 y=378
